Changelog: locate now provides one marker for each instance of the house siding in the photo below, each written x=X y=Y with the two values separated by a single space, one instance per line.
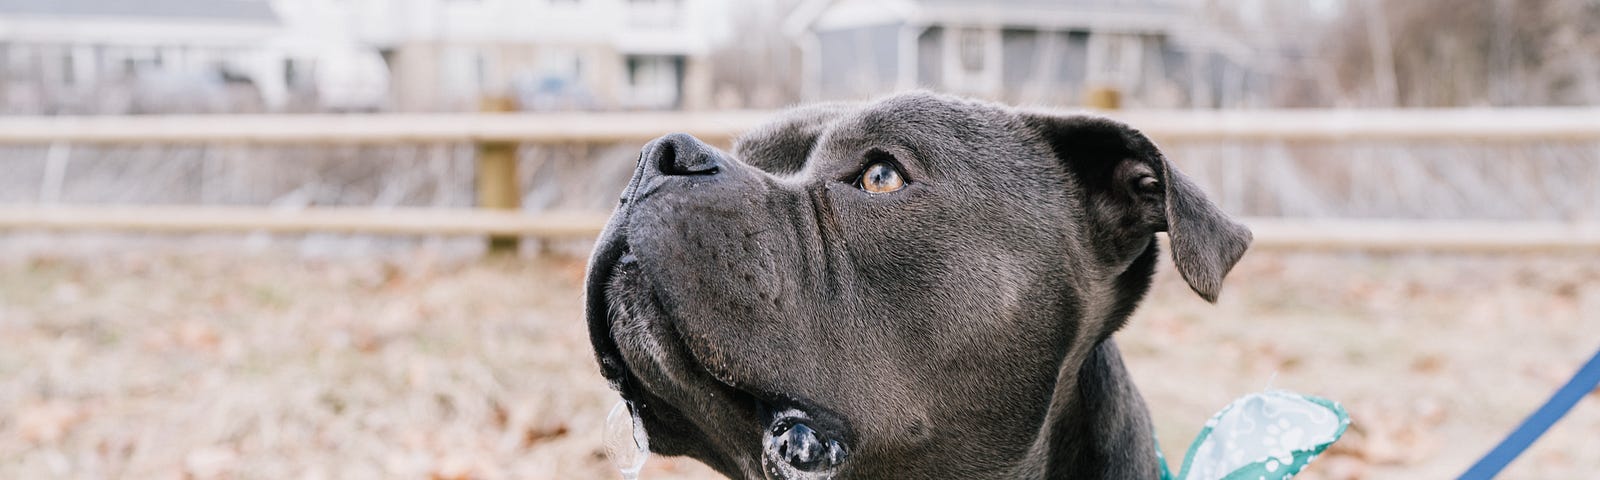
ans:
x=1035 y=52
x=1019 y=58
x=1036 y=66
x=930 y=58
x=857 y=62
x=1072 y=69
x=1044 y=66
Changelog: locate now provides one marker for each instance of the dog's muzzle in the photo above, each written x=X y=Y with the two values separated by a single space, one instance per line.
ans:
x=798 y=441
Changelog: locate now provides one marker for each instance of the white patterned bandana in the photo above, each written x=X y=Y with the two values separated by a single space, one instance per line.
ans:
x=1263 y=436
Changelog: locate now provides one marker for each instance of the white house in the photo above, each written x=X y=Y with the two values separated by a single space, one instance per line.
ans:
x=321 y=61
x=1028 y=51
x=121 y=56
x=105 y=55
x=548 y=54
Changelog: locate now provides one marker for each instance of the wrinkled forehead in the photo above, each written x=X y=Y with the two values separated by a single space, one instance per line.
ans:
x=942 y=135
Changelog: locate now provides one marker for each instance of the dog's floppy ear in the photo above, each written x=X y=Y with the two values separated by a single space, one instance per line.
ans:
x=1131 y=190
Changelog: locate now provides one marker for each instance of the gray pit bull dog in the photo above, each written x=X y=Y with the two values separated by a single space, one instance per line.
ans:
x=919 y=287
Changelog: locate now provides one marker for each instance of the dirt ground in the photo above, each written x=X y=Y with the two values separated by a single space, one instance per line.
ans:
x=141 y=364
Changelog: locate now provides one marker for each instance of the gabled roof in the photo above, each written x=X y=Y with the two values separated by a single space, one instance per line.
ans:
x=246 y=11
x=1067 y=4
x=1144 y=15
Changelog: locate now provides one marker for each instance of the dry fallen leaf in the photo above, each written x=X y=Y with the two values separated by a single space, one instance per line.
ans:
x=550 y=431
x=463 y=466
x=198 y=335
x=1386 y=435
x=48 y=422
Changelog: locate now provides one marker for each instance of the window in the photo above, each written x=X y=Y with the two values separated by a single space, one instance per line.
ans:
x=480 y=70
x=653 y=80
x=299 y=73
x=19 y=60
x=972 y=50
x=69 y=68
x=560 y=63
x=1115 y=59
x=972 y=59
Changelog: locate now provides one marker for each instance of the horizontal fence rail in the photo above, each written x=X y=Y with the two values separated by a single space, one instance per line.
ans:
x=497 y=134
x=1270 y=234
x=356 y=220
x=376 y=128
x=1500 y=125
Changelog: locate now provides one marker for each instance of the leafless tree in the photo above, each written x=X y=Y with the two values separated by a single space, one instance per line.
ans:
x=758 y=66
x=1442 y=53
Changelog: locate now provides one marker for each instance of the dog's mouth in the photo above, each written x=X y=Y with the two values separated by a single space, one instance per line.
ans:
x=681 y=403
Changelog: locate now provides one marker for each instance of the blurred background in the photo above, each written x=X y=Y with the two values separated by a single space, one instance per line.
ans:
x=345 y=238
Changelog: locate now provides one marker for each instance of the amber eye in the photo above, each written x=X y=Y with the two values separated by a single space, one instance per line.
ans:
x=881 y=177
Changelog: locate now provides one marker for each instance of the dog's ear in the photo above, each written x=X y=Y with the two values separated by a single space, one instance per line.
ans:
x=782 y=145
x=1131 y=190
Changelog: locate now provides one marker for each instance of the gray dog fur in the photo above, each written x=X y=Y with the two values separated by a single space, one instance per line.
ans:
x=957 y=328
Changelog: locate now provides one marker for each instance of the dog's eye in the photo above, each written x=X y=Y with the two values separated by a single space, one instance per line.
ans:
x=881 y=177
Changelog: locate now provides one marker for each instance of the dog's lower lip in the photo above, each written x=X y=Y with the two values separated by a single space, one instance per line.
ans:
x=601 y=269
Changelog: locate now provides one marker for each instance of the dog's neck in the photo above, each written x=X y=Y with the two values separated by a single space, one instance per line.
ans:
x=1103 y=430
x=1097 y=425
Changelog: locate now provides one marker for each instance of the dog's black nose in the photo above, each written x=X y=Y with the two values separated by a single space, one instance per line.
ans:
x=682 y=154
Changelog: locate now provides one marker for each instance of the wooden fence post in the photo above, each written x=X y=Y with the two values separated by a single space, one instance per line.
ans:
x=1103 y=98
x=497 y=183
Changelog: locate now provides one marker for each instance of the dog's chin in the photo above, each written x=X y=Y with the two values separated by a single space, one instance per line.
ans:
x=688 y=409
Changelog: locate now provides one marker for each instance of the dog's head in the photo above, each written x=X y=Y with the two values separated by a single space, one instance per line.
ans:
x=884 y=289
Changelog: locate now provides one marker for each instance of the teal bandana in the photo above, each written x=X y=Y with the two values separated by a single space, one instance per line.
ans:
x=1263 y=436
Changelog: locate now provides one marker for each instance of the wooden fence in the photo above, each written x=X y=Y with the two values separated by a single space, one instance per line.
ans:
x=1474 y=125
x=497 y=134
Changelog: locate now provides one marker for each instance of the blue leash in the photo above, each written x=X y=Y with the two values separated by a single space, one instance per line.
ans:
x=1559 y=404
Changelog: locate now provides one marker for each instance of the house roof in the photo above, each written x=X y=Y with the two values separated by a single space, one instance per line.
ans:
x=245 y=11
x=1066 y=4
x=1090 y=14
x=1169 y=17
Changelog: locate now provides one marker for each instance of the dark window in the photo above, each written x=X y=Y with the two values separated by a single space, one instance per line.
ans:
x=69 y=72
x=480 y=70
x=972 y=50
